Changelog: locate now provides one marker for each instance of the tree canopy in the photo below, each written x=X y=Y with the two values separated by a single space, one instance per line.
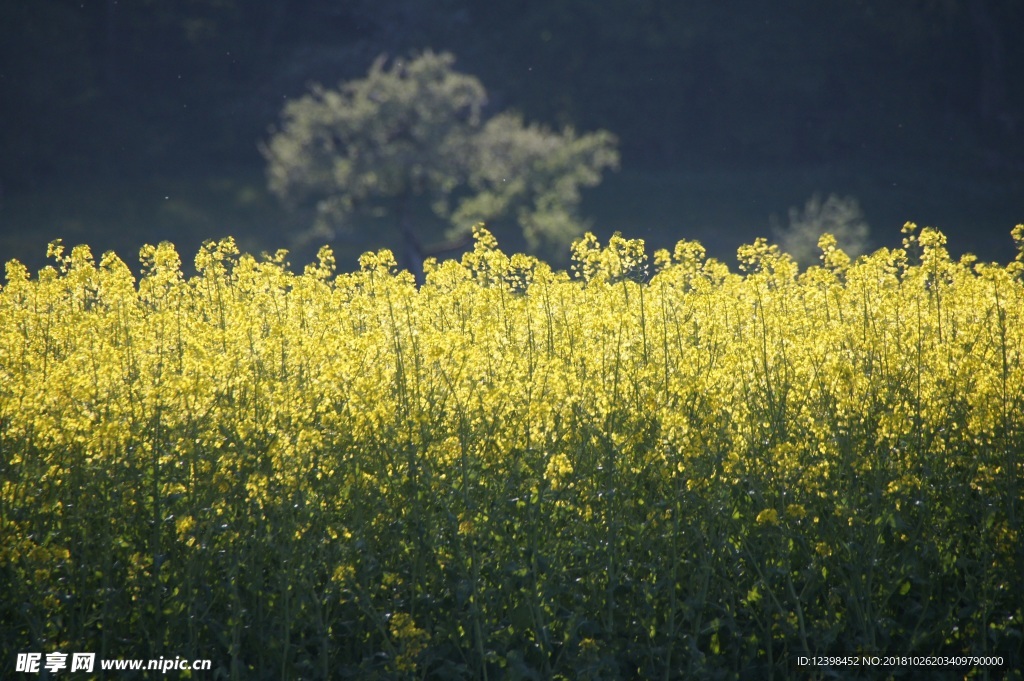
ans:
x=413 y=131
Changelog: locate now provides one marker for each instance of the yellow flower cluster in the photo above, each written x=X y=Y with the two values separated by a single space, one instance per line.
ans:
x=411 y=641
x=334 y=429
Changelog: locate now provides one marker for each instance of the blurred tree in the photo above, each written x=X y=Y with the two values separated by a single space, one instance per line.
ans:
x=411 y=134
x=839 y=216
x=533 y=175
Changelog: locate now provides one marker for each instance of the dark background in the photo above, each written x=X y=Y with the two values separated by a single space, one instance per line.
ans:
x=133 y=121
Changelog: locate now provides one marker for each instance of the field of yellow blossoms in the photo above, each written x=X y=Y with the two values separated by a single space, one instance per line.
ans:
x=634 y=469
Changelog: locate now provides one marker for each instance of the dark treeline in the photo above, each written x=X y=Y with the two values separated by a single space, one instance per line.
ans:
x=108 y=86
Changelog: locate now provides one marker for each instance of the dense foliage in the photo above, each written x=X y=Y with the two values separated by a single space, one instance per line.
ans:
x=412 y=130
x=513 y=472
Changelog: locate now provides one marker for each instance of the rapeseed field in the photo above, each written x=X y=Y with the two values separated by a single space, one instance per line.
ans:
x=651 y=468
